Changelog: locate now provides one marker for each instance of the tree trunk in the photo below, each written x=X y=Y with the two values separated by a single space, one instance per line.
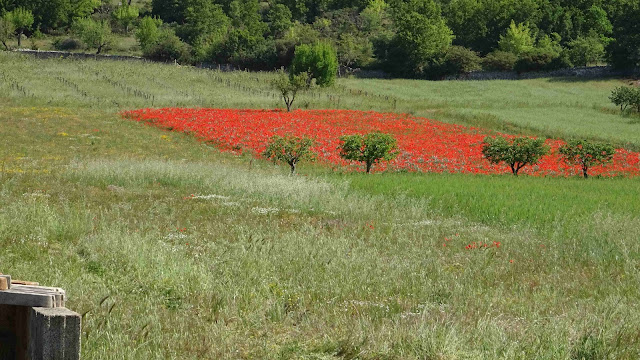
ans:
x=369 y=167
x=293 y=167
x=20 y=38
x=584 y=172
x=513 y=170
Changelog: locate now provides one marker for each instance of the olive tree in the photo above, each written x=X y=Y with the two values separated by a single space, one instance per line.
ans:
x=7 y=30
x=587 y=154
x=22 y=20
x=624 y=97
x=125 y=15
x=517 y=152
x=289 y=149
x=96 y=34
x=370 y=148
x=289 y=86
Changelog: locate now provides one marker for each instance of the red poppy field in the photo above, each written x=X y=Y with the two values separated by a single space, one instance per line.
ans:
x=425 y=145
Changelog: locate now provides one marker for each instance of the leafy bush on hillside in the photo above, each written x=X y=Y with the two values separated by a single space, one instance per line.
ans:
x=169 y=48
x=460 y=60
x=499 y=61
x=68 y=44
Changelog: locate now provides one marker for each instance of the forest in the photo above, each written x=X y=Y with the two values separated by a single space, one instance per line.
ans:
x=405 y=38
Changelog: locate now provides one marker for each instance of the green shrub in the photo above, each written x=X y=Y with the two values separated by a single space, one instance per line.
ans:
x=289 y=149
x=517 y=152
x=624 y=97
x=319 y=61
x=460 y=60
x=7 y=30
x=587 y=154
x=586 y=50
x=95 y=34
x=148 y=32
x=370 y=148
x=517 y=40
x=536 y=60
x=169 y=48
x=499 y=61
x=67 y=44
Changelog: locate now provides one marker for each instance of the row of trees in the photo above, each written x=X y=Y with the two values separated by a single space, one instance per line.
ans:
x=522 y=151
x=418 y=38
x=374 y=147
x=369 y=149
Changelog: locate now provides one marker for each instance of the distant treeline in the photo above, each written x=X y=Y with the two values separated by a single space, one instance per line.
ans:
x=414 y=38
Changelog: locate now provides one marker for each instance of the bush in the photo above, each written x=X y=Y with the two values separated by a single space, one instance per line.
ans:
x=587 y=154
x=586 y=50
x=517 y=152
x=243 y=48
x=169 y=48
x=319 y=61
x=148 y=32
x=624 y=97
x=499 y=61
x=289 y=149
x=535 y=60
x=370 y=148
x=517 y=40
x=95 y=34
x=67 y=44
x=561 y=61
x=460 y=60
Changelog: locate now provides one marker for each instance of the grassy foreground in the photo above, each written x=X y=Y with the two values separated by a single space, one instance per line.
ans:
x=173 y=250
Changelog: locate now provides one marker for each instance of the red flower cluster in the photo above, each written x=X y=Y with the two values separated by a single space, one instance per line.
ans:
x=425 y=145
x=481 y=245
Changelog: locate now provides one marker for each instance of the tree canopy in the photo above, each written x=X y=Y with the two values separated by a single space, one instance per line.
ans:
x=409 y=38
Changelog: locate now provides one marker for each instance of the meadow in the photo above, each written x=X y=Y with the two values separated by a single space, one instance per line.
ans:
x=172 y=249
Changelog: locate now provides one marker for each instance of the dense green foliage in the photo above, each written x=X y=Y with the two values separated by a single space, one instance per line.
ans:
x=319 y=61
x=517 y=152
x=290 y=150
x=95 y=34
x=22 y=20
x=125 y=15
x=410 y=38
x=587 y=154
x=369 y=149
x=7 y=29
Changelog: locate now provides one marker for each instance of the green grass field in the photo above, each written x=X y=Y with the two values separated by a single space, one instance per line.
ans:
x=322 y=265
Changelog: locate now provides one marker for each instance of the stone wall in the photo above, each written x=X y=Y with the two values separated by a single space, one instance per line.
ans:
x=591 y=72
x=65 y=54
